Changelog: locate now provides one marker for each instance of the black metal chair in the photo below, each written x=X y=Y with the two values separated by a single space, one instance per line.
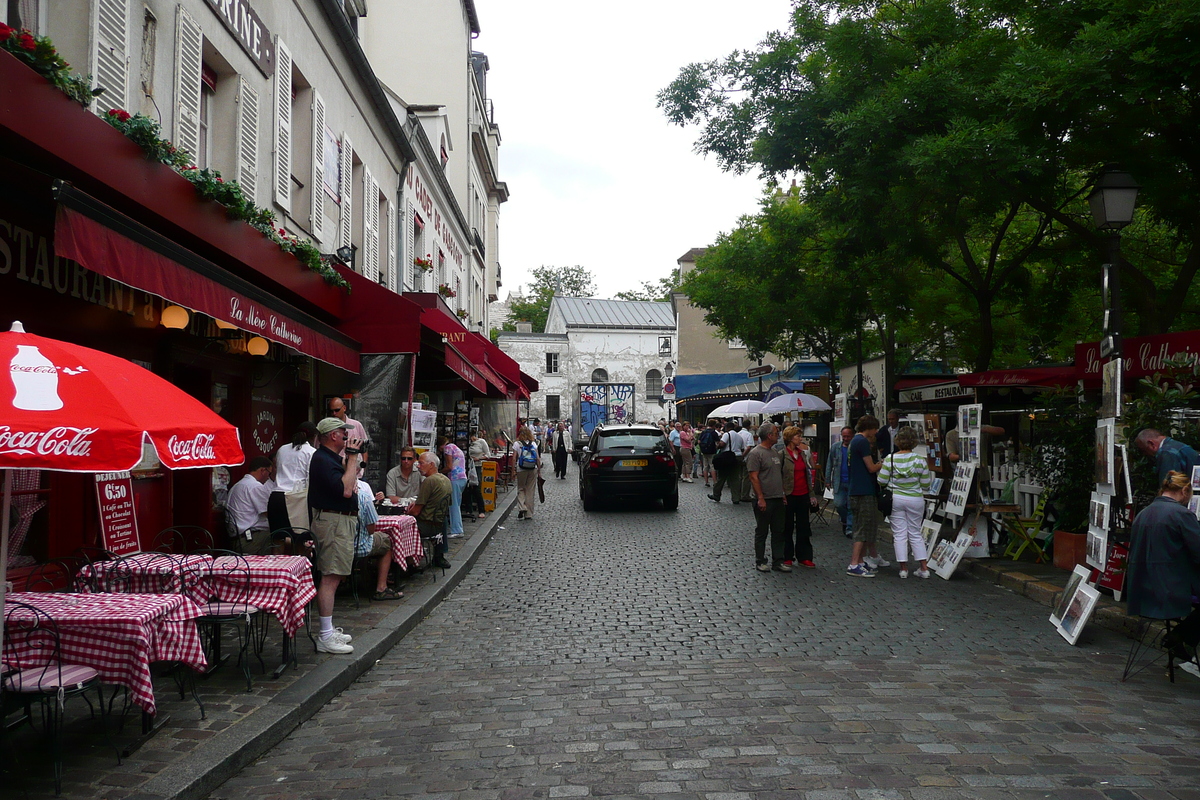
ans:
x=294 y=542
x=42 y=676
x=231 y=573
x=183 y=539
x=56 y=575
x=1149 y=647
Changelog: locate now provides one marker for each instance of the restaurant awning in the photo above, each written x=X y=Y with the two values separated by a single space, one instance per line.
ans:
x=109 y=243
x=383 y=321
x=1060 y=375
x=437 y=318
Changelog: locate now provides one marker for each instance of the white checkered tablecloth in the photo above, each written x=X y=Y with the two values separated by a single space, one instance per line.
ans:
x=119 y=635
x=152 y=573
x=281 y=585
x=406 y=539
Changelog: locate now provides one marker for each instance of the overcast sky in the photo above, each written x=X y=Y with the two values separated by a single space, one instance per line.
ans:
x=596 y=175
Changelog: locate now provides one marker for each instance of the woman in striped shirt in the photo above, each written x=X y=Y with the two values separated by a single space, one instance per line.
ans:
x=907 y=475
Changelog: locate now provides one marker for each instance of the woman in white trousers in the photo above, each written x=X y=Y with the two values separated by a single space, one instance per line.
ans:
x=907 y=475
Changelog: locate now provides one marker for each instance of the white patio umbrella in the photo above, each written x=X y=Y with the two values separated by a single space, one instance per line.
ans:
x=719 y=411
x=796 y=401
x=739 y=407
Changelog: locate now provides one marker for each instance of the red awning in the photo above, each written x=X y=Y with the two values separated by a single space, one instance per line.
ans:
x=1144 y=355
x=917 y=381
x=1029 y=376
x=437 y=317
x=385 y=322
x=196 y=286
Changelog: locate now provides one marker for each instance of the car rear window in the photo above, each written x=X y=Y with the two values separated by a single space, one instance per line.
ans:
x=620 y=439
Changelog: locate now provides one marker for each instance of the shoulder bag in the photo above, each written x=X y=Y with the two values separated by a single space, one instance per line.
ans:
x=883 y=495
x=726 y=459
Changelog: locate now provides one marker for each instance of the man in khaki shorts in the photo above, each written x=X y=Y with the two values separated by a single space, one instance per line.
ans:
x=333 y=500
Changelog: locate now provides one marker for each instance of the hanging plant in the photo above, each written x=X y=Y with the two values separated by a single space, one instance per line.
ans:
x=423 y=264
x=445 y=291
x=38 y=53
x=462 y=313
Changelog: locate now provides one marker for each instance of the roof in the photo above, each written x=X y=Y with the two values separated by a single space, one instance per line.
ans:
x=693 y=254
x=591 y=312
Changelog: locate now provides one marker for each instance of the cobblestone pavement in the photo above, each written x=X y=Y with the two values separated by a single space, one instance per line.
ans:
x=635 y=652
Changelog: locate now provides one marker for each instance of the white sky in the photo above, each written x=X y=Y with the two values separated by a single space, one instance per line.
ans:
x=596 y=175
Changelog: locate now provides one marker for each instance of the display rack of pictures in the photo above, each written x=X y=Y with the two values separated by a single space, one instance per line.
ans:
x=1194 y=502
x=1110 y=385
x=1075 y=605
x=462 y=424
x=930 y=446
x=835 y=432
x=970 y=424
x=1103 y=501
x=960 y=488
x=1099 y=511
x=947 y=554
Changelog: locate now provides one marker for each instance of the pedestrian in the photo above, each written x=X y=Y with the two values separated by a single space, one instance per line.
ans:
x=432 y=506
x=730 y=442
x=748 y=442
x=1164 y=564
x=291 y=475
x=529 y=465
x=764 y=465
x=337 y=410
x=455 y=466
x=863 y=468
x=707 y=444
x=837 y=478
x=799 y=485
x=333 y=503
x=1168 y=454
x=478 y=453
x=687 y=441
x=908 y=476
x=884 y=439
x=675 y=436
x=560 y=449
x=370 y=543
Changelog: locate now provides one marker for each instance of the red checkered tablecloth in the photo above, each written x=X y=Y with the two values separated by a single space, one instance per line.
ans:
x=119 y=635
x=281 y=585
x=152 y=573
x=406 y=539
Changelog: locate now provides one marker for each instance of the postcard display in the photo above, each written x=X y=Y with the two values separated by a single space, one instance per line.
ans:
x=1075 y=605
x=945 y=555
x=456 y=425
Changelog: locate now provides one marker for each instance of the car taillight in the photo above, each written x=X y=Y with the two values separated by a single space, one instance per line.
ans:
x=664 y=459
x=600 y=461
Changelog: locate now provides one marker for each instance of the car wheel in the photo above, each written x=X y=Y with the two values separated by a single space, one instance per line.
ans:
x=671 y=501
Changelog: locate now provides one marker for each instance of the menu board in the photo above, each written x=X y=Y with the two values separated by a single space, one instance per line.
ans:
x=118 y=522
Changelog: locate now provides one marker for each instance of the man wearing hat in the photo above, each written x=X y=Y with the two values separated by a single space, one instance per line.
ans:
x=333 y=500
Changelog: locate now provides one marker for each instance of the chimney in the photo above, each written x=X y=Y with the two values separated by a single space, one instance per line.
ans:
x=524 y=327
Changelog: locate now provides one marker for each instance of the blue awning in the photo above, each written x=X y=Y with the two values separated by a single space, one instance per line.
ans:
x=734 y=382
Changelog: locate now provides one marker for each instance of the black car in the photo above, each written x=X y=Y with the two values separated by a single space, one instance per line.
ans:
x=627 y=461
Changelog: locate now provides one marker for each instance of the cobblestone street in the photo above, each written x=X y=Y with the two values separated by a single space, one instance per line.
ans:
x=635 y=652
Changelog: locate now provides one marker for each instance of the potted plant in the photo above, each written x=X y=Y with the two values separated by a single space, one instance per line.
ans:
x=423 y=264
x=1063 y=462
x=462 y=313
x=445 y=291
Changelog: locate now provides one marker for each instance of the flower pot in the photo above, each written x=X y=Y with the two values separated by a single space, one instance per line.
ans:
x=1070 y=549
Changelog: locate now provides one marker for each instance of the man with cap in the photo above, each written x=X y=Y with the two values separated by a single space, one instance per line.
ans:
x=333 y=501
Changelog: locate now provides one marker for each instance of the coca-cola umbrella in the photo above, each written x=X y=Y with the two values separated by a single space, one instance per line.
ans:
x=73 y=409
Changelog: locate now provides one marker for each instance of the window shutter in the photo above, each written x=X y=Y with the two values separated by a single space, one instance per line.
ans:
x=110 y=37
x=346 y=190
x=247 y=162
x=283 y=126
x=189 y=44
x=392 y=234
x=317 y=218
x=370 y=227
x=410 y=249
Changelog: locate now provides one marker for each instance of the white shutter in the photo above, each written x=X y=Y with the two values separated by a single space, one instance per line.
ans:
x=317 y=218
x=247 y=162
x=410 y=248
x=370 y=227
x=283 y=126
x=110 y=39
x=346 y=190
x=392 y=232
x=189 y=44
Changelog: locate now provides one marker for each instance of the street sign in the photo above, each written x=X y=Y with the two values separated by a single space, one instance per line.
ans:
x=756 y=372
x=668 y=389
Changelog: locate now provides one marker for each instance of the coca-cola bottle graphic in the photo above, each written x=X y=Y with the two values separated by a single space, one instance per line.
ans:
x=36 y=380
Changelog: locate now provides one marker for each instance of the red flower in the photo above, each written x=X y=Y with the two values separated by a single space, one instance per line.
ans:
x=27 y=42
x=6 y=31
x=119 y=114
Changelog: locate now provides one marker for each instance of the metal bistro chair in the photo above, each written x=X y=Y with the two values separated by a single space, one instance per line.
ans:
x=231 y=572
x=1149 y=647
x=176 y=576
x=33 y=632
x=183 y=539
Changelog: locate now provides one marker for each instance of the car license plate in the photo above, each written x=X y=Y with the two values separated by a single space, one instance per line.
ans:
x=634 y=462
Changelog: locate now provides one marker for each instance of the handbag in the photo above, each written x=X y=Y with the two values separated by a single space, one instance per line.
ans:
x=726 y=459
x=883 y=496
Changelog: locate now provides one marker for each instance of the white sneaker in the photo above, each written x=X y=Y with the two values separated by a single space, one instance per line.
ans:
x=877 y=561
x=922 y=573
x=903 y=573
x=332 y=644
x=341 y=636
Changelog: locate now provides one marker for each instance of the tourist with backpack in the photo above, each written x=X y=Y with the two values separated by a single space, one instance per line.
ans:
x=707 y=442
x=529 y=465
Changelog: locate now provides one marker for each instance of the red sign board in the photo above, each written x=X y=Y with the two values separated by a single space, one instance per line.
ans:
x=1113 y=576
x=118 y=523
x=1143 y=355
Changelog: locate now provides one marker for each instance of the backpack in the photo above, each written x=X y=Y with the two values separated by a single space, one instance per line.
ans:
x=527 y=456
x=708 y=442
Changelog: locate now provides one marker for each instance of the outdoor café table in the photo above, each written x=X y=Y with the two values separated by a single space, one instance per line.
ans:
x=280 y=585
x=118 y=635
x=406 y=539
x=150 y=573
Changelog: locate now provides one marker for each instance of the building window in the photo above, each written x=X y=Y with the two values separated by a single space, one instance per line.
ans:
x=552 y=409
x=208 y=88
x=599 y=376
x=737 y=344
x=551 y=363
x=664 y=346
x=654 y=384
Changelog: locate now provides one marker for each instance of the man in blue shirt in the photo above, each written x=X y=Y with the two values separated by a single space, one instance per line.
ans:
x=837 y=478
x=862 y=469
x=1169 y=454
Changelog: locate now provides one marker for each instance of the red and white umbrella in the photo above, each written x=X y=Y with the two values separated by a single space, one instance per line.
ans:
x=73 y=409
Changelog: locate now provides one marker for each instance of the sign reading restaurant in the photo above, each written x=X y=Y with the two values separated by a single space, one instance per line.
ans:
x=247 y=27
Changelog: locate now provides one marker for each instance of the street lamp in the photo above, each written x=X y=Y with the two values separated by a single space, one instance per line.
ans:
x=1112 y=201
x=669 y=372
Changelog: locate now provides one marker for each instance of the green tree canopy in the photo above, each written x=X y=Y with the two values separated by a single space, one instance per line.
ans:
x=547 y=281
x=653 y=291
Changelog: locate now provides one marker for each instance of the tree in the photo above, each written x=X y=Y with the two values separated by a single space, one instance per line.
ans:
x=653 y=291
x=547 y=281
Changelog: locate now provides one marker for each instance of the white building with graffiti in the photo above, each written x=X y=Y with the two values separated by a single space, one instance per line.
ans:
x=599 y=360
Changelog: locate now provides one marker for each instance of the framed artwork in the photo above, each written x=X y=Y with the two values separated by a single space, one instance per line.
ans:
x=1105 y=429
x=1097 y=548
x=1078 y=612
x=1079 y=575
x=963 y=419
x=1196 y=479
x=1123 y=450
x=929 y=533
x=960 y=488
x=948 y=553
x=1194 y=505
x=839 y=408
x=1098 y=512
x=1110 y=385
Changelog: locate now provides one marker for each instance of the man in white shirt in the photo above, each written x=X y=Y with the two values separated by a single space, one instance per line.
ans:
x=246 y=508
x=747 y=434
x=730 y=440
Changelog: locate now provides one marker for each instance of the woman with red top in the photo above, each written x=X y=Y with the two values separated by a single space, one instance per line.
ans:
x=687 y=440
x=799 y=475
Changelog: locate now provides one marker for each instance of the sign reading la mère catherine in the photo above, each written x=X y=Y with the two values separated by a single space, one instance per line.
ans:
x=247 y=27
x=118 y=523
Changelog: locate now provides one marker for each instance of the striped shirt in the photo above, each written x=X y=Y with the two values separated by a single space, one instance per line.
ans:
x=906 y=474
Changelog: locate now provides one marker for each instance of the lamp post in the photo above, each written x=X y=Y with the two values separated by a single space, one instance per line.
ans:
x=669 y=372
x=1112 y=202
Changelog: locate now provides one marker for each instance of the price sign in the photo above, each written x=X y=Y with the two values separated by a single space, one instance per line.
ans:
x=487 y=484
x=118 y=523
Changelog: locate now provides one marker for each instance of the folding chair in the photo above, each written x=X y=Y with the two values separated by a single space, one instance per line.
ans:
x=818 y=513
x=1148 y=648
x=1023 y=532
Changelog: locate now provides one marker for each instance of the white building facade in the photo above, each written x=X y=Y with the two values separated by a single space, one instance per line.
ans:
x=594 y=348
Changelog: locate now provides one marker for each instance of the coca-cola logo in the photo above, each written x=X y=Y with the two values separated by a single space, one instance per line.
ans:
x=59 y=441
x=37 y=370
x=199 y=448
